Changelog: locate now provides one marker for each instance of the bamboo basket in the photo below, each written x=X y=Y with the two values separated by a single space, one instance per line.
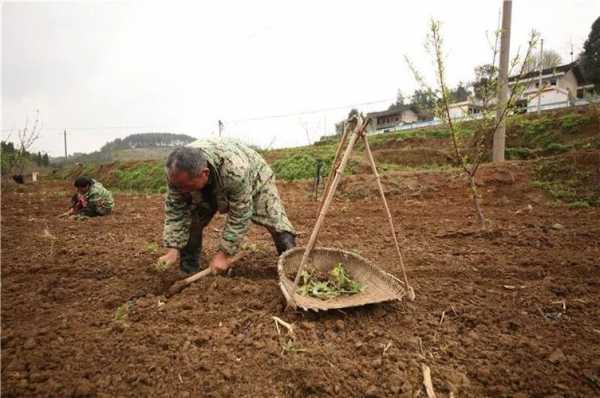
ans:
x=380 y=286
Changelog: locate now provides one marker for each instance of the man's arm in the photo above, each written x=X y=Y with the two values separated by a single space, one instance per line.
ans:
x=178 y=219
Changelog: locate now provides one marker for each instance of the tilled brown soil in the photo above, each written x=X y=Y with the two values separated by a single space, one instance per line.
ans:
x=510 y=312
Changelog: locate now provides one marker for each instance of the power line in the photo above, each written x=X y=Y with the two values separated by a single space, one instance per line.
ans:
x=309 y=112
x=96 y=128
x=250 y=119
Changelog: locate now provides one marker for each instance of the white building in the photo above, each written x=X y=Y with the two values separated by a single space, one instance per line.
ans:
x=391 y=119
x=560 y=87
x=464 y=109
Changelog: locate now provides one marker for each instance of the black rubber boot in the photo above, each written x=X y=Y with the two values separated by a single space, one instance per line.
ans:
x=89 y=211
x=283 y=241
x=189 y=261
x=191 y=254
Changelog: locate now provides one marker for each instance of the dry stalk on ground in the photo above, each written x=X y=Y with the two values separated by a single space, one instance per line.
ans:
x=427 y=381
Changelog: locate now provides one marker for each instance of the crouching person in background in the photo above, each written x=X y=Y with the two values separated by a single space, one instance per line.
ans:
x=91 y=199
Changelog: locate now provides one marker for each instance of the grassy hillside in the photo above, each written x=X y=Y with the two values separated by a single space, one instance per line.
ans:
x=528 y=137
x=143 y=176
x=572 y=178
x=534 y=136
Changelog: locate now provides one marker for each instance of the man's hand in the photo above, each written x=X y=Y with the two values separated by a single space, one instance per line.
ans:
x=220 y=262
x=167 y=260
x=66 y=213
x=82 y=200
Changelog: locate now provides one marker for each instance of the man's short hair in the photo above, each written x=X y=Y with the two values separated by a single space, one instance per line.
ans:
x=191 y=160
x=83 y=181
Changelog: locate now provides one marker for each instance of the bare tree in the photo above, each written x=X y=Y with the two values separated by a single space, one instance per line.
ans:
x=308 y=127
x=469 y=148
x=26 y=137
x=549 y=59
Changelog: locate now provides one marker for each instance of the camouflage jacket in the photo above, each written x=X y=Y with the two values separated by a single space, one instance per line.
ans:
x=99 y=197
x=239 y=174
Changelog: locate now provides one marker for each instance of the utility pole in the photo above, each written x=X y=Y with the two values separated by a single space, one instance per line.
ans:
x=220 y=128
x=539 y=101
x=65 y=145
x=500 y=133
x=571 y=44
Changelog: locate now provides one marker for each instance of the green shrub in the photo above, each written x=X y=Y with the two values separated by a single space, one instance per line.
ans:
x=571 y=122
x=580 y=204
x=300 y=166
x=7 y=161
x=534 y=126
x=439 y=133
x=518 y=153
x=555 y=148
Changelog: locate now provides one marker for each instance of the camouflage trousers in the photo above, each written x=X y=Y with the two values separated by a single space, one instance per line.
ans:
x=268 y=211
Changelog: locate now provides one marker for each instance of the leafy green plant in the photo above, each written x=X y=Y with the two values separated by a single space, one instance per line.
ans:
x=291 y=347
x=251 y=247
x=122 y=312
x=335 y=283
x=152 y=247
x=160 y=266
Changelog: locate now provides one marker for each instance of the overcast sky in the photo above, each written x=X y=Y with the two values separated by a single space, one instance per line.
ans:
x=104 y=70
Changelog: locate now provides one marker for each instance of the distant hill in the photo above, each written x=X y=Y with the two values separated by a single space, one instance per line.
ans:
x=142 y=154
x=145 y=146
x=148 y=140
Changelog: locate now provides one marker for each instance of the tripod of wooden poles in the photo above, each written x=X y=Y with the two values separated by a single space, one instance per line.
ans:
x=355 y=127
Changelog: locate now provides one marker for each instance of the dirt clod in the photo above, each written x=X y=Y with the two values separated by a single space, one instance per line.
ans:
x=377 y=363
x=557 y=356
x=30 y=344
x=371 y=391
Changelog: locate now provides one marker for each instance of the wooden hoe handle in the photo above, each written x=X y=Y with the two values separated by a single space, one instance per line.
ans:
x=182 y=284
